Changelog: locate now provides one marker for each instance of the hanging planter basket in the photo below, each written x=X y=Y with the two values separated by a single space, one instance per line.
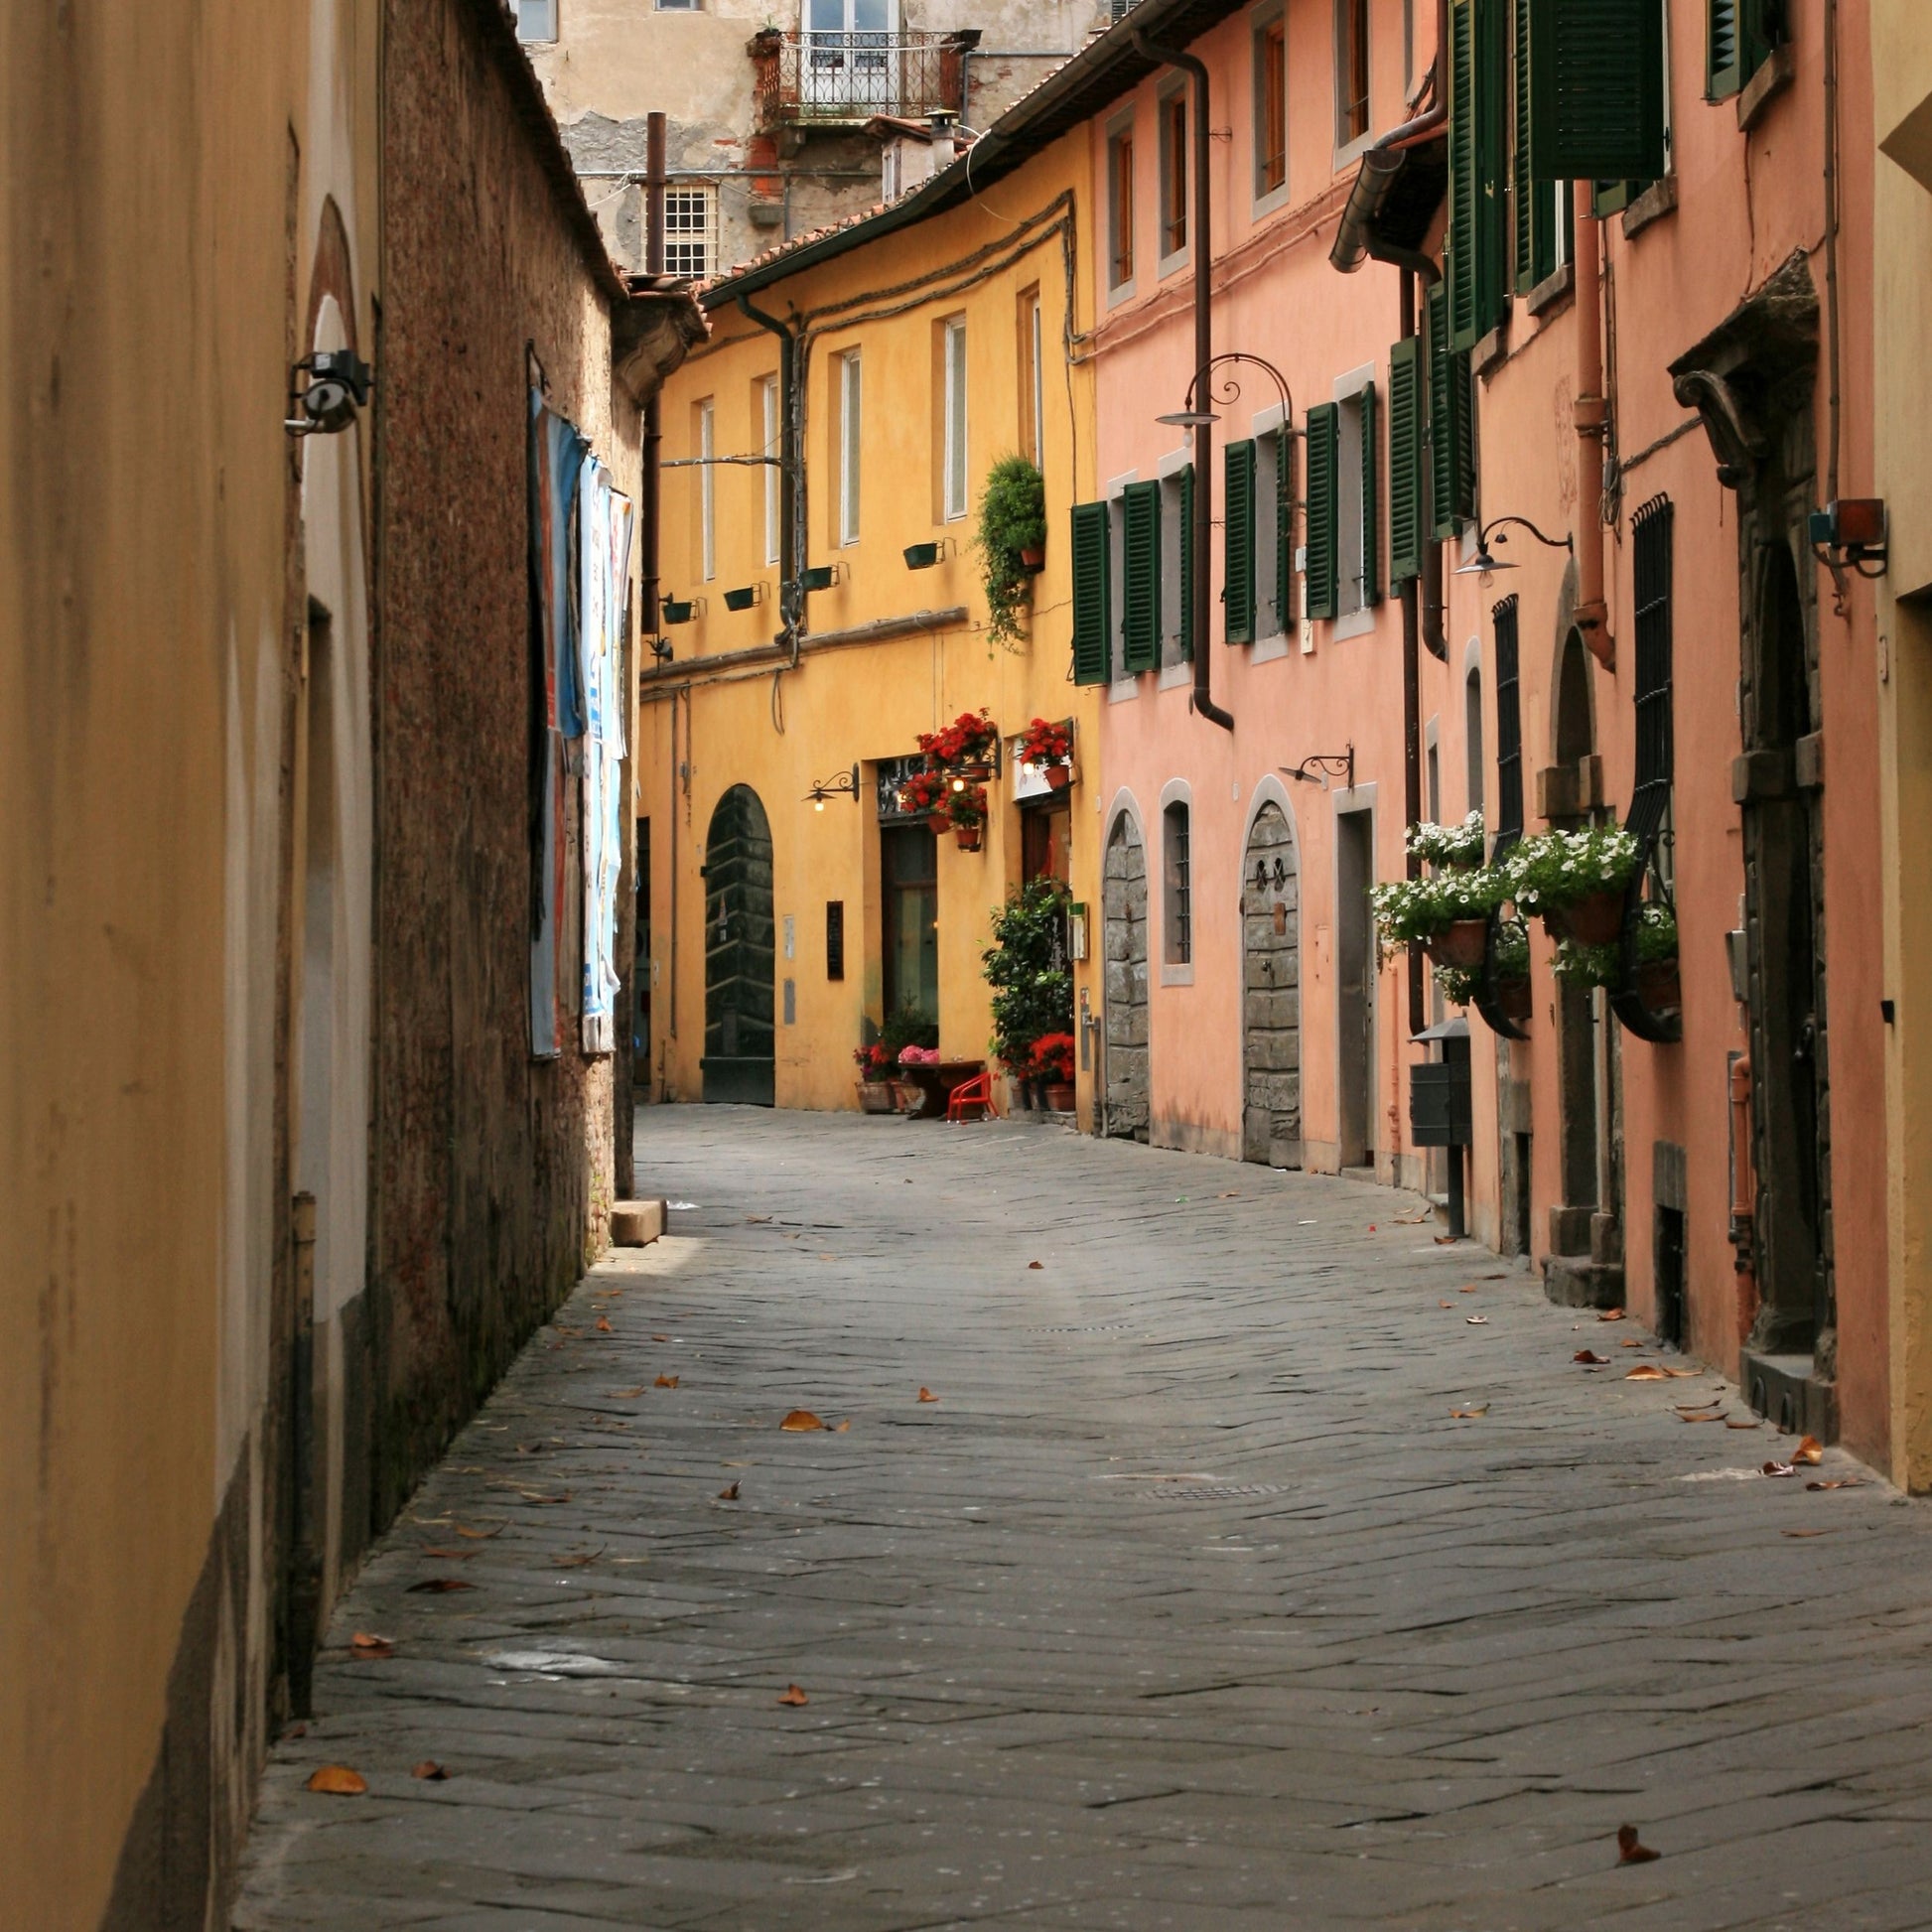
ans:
x=1593 y=921
x=1514 y=1001
x=967 y=836
x=1660 y=987
x=1460 y=944
x=1058 y=777
x=1032 y=557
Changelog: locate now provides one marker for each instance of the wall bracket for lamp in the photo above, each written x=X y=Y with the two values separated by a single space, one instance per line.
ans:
x=843 y=784
x=1320 y=767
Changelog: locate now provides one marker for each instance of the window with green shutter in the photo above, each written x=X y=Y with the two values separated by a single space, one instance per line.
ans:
x=1322 y=424
x=1477 y=252
x=1285 y=528
x=1371 y=499
x=1139 y=617
x=1238 y=542
x=1452 y=425
x=1404 y=460
x=1740 y=35
x=1597 y=89
x=1093 y=626
x=1185 y=627
x=1540 y=211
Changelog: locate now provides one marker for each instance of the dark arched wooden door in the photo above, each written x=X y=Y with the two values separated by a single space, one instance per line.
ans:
x=738 y=952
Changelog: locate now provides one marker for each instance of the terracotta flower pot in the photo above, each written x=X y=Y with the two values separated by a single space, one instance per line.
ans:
x=1460 y=944
x=1060 y=1096
x=938 y=820
x=968 y=837
x=1033 y=557
x=1514 y=1001
x=1659 y=986
x=1595 y=920
x=976 y=769
x=1058 y=777
x=875 y=1096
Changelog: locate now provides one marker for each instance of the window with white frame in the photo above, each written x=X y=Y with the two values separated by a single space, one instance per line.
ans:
x=847 y=366
x=772 y=448
x=1271 y=103
x=1351 y=70
x=536 y=20
x=690 y=232
x=1037 y=346
x=953 y=469
x=707 y=491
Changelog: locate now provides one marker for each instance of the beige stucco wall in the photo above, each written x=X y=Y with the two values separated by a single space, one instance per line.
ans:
x=1902 y=31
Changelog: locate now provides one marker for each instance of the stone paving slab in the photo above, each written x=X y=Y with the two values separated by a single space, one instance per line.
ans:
x=1187 y=1604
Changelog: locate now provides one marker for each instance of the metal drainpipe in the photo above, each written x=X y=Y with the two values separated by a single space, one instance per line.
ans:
x=650 y=516
x=1203 y=433
x=1592 y=612
x=791 y=548
x=1412 y=710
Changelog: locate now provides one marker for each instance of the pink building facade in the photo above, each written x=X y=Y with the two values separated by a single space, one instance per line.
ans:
x=1666 y=391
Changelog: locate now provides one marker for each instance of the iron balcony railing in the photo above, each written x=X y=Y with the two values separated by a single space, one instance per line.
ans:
x=803 y=78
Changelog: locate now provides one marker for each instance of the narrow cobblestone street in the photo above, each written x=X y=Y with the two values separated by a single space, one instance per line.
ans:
x=1188 y=1601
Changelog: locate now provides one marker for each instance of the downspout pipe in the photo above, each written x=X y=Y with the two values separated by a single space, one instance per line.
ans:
x=791 y=572
x=1592 y=612
x=1203 y=433
x=1412 y=713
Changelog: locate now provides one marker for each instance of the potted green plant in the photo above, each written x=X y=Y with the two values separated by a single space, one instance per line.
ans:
x=1027 y=967
x=966 y=813
x=967 y=747
x=1448 y=845
x=1012 y=526
x=1658 y=983
x=875 y=1078
x=1053 y=1062
x=925 y=796
x=1509 y=968
x=1574 y=882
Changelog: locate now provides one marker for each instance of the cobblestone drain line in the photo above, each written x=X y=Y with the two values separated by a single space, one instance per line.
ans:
x=1187 y=1604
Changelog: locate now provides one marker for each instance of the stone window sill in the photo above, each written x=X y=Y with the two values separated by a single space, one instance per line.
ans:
x=1493 y=350
x=1656 y=201
x=1552 y=290
x=1765 y=87
x=1172 y=975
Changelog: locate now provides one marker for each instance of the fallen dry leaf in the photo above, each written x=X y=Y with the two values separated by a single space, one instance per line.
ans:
x=1035 y=1264
x=665 y=1382
x=1811 y=1450
x=1444 y=1304
x=1468 y=1415
x=626 y=1395
x=1630 y=1850
x=1804 y=1532
x=1234 y=1197
x=801 y=1420
x=757 y=1217
x=1611 y=1315
x=367 y=1644
x=480 y=1536
x=576 y=1563
x=339 y=1781
x=1778 y=1469
x=453 y=1556
x=429 y=1768
x=1646 y=1373
x=436 y=1586
x=1475 y=1320
x=927 y=1395
x=793 y=1695
x=1628 y=1343
x=604 y=1322
x=1591 y=1358
x=843 y=1427
x=1715 y=1415
x=729 y=1495
x=660 y=1337
x=1469 y=1289
x=1446 y=1240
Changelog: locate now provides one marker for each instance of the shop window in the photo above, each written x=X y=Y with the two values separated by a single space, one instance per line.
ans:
x=910 y=876
x=1176 y=898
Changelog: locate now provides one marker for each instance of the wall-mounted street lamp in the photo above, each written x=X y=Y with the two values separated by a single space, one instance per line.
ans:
x=1484 y=561
x=1321 y=767
x=338 y=386
x=844 y=785
x=1203 y=390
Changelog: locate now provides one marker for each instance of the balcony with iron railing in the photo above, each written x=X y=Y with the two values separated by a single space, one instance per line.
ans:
x=803 y=79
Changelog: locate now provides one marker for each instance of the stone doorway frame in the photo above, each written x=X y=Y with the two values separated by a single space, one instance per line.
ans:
x=1272 y=1148
x=1126 y=1044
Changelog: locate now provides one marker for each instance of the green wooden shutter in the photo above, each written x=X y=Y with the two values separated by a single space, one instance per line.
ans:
x=1093 y=627
x=1371 y=500
x=1476 y=252
x=1140 y=617
x=1405 y=461
x=1522 y=196
x=1739 y=41
x=1323 y=420
x=1185 y=491
x=1238 y=542
x=1597 y=89
x=1452 y=431
x=1285 y=528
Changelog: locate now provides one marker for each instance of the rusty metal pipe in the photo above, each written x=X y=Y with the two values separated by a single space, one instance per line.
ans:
x=1592 y=612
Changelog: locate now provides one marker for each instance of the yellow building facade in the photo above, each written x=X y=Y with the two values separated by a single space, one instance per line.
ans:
x=927 y=341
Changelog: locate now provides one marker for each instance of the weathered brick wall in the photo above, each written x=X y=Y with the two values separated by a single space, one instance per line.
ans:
x=492 y=1172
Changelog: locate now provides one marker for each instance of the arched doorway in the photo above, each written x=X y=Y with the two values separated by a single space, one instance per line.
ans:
x=1124 y=933
x=1271 y=992
x=738 y=953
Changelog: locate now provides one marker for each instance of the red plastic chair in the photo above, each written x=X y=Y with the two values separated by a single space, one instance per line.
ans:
x=975 y=1092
